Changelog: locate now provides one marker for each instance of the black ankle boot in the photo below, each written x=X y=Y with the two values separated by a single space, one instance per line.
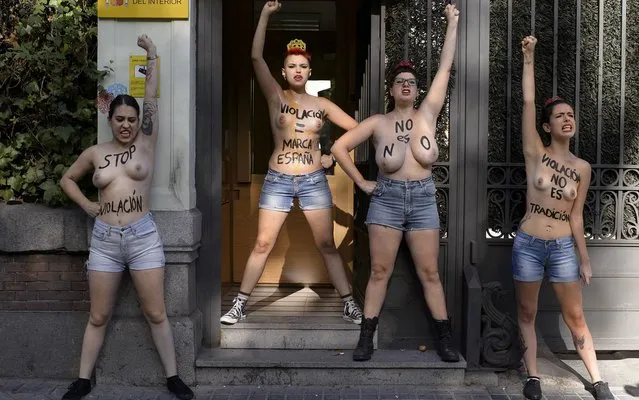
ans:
x=78 y=389
x=179 y=388
x=445 y=350
x=364 y=349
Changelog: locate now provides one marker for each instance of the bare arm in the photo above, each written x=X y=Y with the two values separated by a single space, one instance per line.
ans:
x=337 y=116
x=577 y=218
x=434 y=101
x=531 y=141
x=348 y=142
x=150 y=125
x=270 y=88
x=76 y=171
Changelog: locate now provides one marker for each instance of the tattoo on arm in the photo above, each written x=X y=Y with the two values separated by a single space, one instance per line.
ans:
x=579 y=341
x=149 y=110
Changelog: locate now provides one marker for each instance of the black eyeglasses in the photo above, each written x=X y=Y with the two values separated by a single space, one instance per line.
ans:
x=400 y=81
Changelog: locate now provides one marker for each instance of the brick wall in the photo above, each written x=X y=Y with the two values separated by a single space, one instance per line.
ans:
x=43 y=282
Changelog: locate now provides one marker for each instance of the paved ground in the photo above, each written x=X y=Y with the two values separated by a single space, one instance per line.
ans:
x=41 y=390
x=562 y=379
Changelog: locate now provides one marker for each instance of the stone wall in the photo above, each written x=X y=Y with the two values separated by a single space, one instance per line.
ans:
x=44 y=298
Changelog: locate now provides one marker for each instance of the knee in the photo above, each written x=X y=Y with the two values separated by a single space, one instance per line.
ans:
x=326 y=245
x=155 y=316
x=380 y=272
x=263 y=246
x=574 y=318
x=98 y=319
x=431 y=276
x=526 y=313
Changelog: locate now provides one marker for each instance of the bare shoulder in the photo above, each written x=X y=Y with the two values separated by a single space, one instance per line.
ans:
x=583 y=166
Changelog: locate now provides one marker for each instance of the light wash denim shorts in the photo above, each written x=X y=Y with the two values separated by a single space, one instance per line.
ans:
x=533 y=257
x=280 y=189
x=137 y=245
x=404 y=205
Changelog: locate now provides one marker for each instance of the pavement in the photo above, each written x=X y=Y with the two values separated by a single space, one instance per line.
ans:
x=563 y=378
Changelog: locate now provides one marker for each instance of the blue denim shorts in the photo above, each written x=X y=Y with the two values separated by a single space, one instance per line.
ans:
x=137 y=245
x=404 y=205
x=532 y=257
x=280 y=189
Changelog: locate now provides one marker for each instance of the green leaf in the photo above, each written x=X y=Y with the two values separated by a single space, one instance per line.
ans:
x=6 y=194
x=51 y=190
x=63 y=132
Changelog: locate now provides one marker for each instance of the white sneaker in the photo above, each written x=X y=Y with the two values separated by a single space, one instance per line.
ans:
x=236 y=313
x=352 y=312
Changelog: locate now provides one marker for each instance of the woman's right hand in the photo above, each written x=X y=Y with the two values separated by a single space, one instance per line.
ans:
x=92 y=208
x=528 y=45
x=368 y=186
x=271 y=7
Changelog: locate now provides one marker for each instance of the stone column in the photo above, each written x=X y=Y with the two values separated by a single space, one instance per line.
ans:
x=129 y=355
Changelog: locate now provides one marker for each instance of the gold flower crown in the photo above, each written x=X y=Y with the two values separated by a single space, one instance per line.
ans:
x=296 y=44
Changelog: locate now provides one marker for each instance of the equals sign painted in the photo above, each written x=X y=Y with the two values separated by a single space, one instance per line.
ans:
x=298 y=127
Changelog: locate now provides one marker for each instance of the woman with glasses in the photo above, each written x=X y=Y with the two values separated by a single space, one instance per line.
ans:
x=403 y=200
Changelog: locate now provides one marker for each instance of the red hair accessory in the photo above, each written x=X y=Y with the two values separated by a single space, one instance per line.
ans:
x=552 y=100
x=405 y=64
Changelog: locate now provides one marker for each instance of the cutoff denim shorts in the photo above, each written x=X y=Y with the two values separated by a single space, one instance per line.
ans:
x=137 y=245
x=404 y=205
x=533 y=257
x=280 y=189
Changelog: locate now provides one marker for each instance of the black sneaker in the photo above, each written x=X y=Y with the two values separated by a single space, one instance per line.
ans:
x=601 y=391
x=78 y=389
x=236 y=313
x=532 y=388
x=179 y=388
x=352 y=312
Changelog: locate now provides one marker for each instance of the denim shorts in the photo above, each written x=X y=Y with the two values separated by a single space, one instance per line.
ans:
x=404 y=205
x=137 y=245
x=280 y=189
x=532 y=257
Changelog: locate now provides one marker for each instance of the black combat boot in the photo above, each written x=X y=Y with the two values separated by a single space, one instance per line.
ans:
x=445 y=350
x=364 y=349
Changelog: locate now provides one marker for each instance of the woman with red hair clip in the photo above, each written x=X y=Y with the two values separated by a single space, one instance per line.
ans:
x=295 y=168
x=557 y=186
x=403 y=203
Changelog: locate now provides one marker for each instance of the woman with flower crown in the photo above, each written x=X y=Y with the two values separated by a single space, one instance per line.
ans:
x=403 y=203
x=557 y=186
x=295 y=168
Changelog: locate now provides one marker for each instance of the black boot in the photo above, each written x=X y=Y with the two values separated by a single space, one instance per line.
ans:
x=78 y=389
x=364 y=349
x=445 y=350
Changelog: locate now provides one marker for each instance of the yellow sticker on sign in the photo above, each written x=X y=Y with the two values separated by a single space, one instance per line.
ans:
x=163 y=9
x=137 y=76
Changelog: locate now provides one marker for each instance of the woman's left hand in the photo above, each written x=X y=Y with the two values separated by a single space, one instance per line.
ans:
x=586 y=272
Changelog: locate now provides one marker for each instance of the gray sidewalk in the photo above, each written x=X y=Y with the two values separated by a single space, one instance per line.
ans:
x=41 y=390
x=562 y=379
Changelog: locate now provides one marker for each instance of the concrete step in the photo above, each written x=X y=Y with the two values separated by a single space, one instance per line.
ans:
x=291 y=332
x=290 y=318
x=324 y=367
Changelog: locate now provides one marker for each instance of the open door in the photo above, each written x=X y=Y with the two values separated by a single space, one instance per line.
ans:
x=294 y=258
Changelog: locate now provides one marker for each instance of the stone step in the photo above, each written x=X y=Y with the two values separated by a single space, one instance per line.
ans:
x=324 y=367
x=285 y=317
x=291 y=332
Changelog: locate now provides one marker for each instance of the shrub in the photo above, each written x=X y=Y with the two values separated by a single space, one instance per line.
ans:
x=48 y=83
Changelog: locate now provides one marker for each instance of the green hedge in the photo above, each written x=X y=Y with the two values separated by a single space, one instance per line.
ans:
x=48 y=86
